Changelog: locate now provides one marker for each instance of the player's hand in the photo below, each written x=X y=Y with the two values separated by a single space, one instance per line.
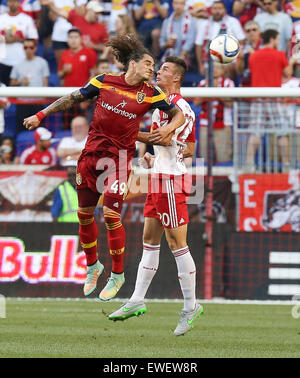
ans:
x=32 y=122
x=159 y=135
x=146 y=161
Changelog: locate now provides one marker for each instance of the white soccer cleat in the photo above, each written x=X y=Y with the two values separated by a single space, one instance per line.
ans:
x=187 y=319
x=128 y=310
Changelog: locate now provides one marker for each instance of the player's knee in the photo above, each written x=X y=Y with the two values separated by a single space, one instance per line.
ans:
x=112 y=219
x=149 y=239
x=85 y=215
x=174 y=243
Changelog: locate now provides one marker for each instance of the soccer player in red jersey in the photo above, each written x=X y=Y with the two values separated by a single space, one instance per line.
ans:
x=165 y=209
x=104 y=165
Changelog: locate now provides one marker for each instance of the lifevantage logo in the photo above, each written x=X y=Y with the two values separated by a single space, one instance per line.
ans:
x=119 y=109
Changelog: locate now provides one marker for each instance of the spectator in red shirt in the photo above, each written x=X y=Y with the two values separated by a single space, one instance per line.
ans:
x=77 y=62
x=94 y=33
x=267 y=66
x=41 y=153
x=76 y=66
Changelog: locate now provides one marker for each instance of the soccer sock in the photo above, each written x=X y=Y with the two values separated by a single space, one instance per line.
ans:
x=187 y=277
x=146 y=271
x=116 y=240
x=88 y=232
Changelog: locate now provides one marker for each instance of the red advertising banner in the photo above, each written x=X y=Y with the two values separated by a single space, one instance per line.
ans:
x=270 y=202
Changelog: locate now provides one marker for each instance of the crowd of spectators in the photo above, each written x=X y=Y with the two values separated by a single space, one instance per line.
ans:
x=62 y=43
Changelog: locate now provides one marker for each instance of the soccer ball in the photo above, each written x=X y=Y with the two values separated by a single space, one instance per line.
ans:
x=224 y=48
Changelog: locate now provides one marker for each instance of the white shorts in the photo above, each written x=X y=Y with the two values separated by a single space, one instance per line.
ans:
x=270 y=114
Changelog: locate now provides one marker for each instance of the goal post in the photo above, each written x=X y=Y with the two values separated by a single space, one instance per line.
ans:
x=187 y=92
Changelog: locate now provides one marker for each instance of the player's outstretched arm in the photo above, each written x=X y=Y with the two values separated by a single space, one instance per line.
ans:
x=162 y=133
x=62 y=104
x=145 y=138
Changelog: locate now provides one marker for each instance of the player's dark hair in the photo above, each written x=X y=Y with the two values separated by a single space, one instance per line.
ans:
x=102 y=60
x=180 y=64
x=128 y=47
x=267 y=35
x=74 y=30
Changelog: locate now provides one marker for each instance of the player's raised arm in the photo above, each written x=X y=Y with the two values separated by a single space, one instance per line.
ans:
x=62 y=104
x=65 y=102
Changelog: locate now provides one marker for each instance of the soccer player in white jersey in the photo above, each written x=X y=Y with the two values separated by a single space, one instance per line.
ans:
x=165 y=209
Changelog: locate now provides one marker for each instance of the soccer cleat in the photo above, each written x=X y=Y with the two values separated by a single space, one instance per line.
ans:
x=187 y=319
x=128 y=310
x=93 y=273
x=114 y=284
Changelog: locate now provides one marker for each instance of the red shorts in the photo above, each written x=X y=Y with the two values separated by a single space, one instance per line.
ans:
x=102 y=174
x=167 y=202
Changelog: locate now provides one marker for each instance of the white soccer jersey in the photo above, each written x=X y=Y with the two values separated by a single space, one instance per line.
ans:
x=61 y=25
x=169 y=160
x=209 y=29
x=21 y=24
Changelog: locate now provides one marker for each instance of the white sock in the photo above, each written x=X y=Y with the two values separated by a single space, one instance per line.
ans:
x=146 y=271
x=187 y=277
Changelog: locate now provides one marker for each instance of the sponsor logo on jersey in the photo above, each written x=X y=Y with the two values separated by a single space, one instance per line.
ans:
x=119 y=109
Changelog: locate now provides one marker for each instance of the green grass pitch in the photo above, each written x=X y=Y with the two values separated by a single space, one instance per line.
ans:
x=51 y=328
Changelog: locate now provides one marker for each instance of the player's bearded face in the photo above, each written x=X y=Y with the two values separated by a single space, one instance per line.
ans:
x=145 y=68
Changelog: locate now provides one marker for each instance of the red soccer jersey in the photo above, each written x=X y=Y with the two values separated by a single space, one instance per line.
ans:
x=118 y=113
x=266 y=67
x=82 y=62
x=96 y=31
x=32 y=156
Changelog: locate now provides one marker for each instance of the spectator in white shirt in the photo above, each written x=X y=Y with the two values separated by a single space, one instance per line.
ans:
x=14 y=27
x=272 y=19
x=218 y=23
x=33 y=71
x=30 y=7
x=62 y=26
x=178 y=33
x=69 y=149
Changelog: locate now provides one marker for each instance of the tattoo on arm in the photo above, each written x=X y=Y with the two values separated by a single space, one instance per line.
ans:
x=64 y=103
